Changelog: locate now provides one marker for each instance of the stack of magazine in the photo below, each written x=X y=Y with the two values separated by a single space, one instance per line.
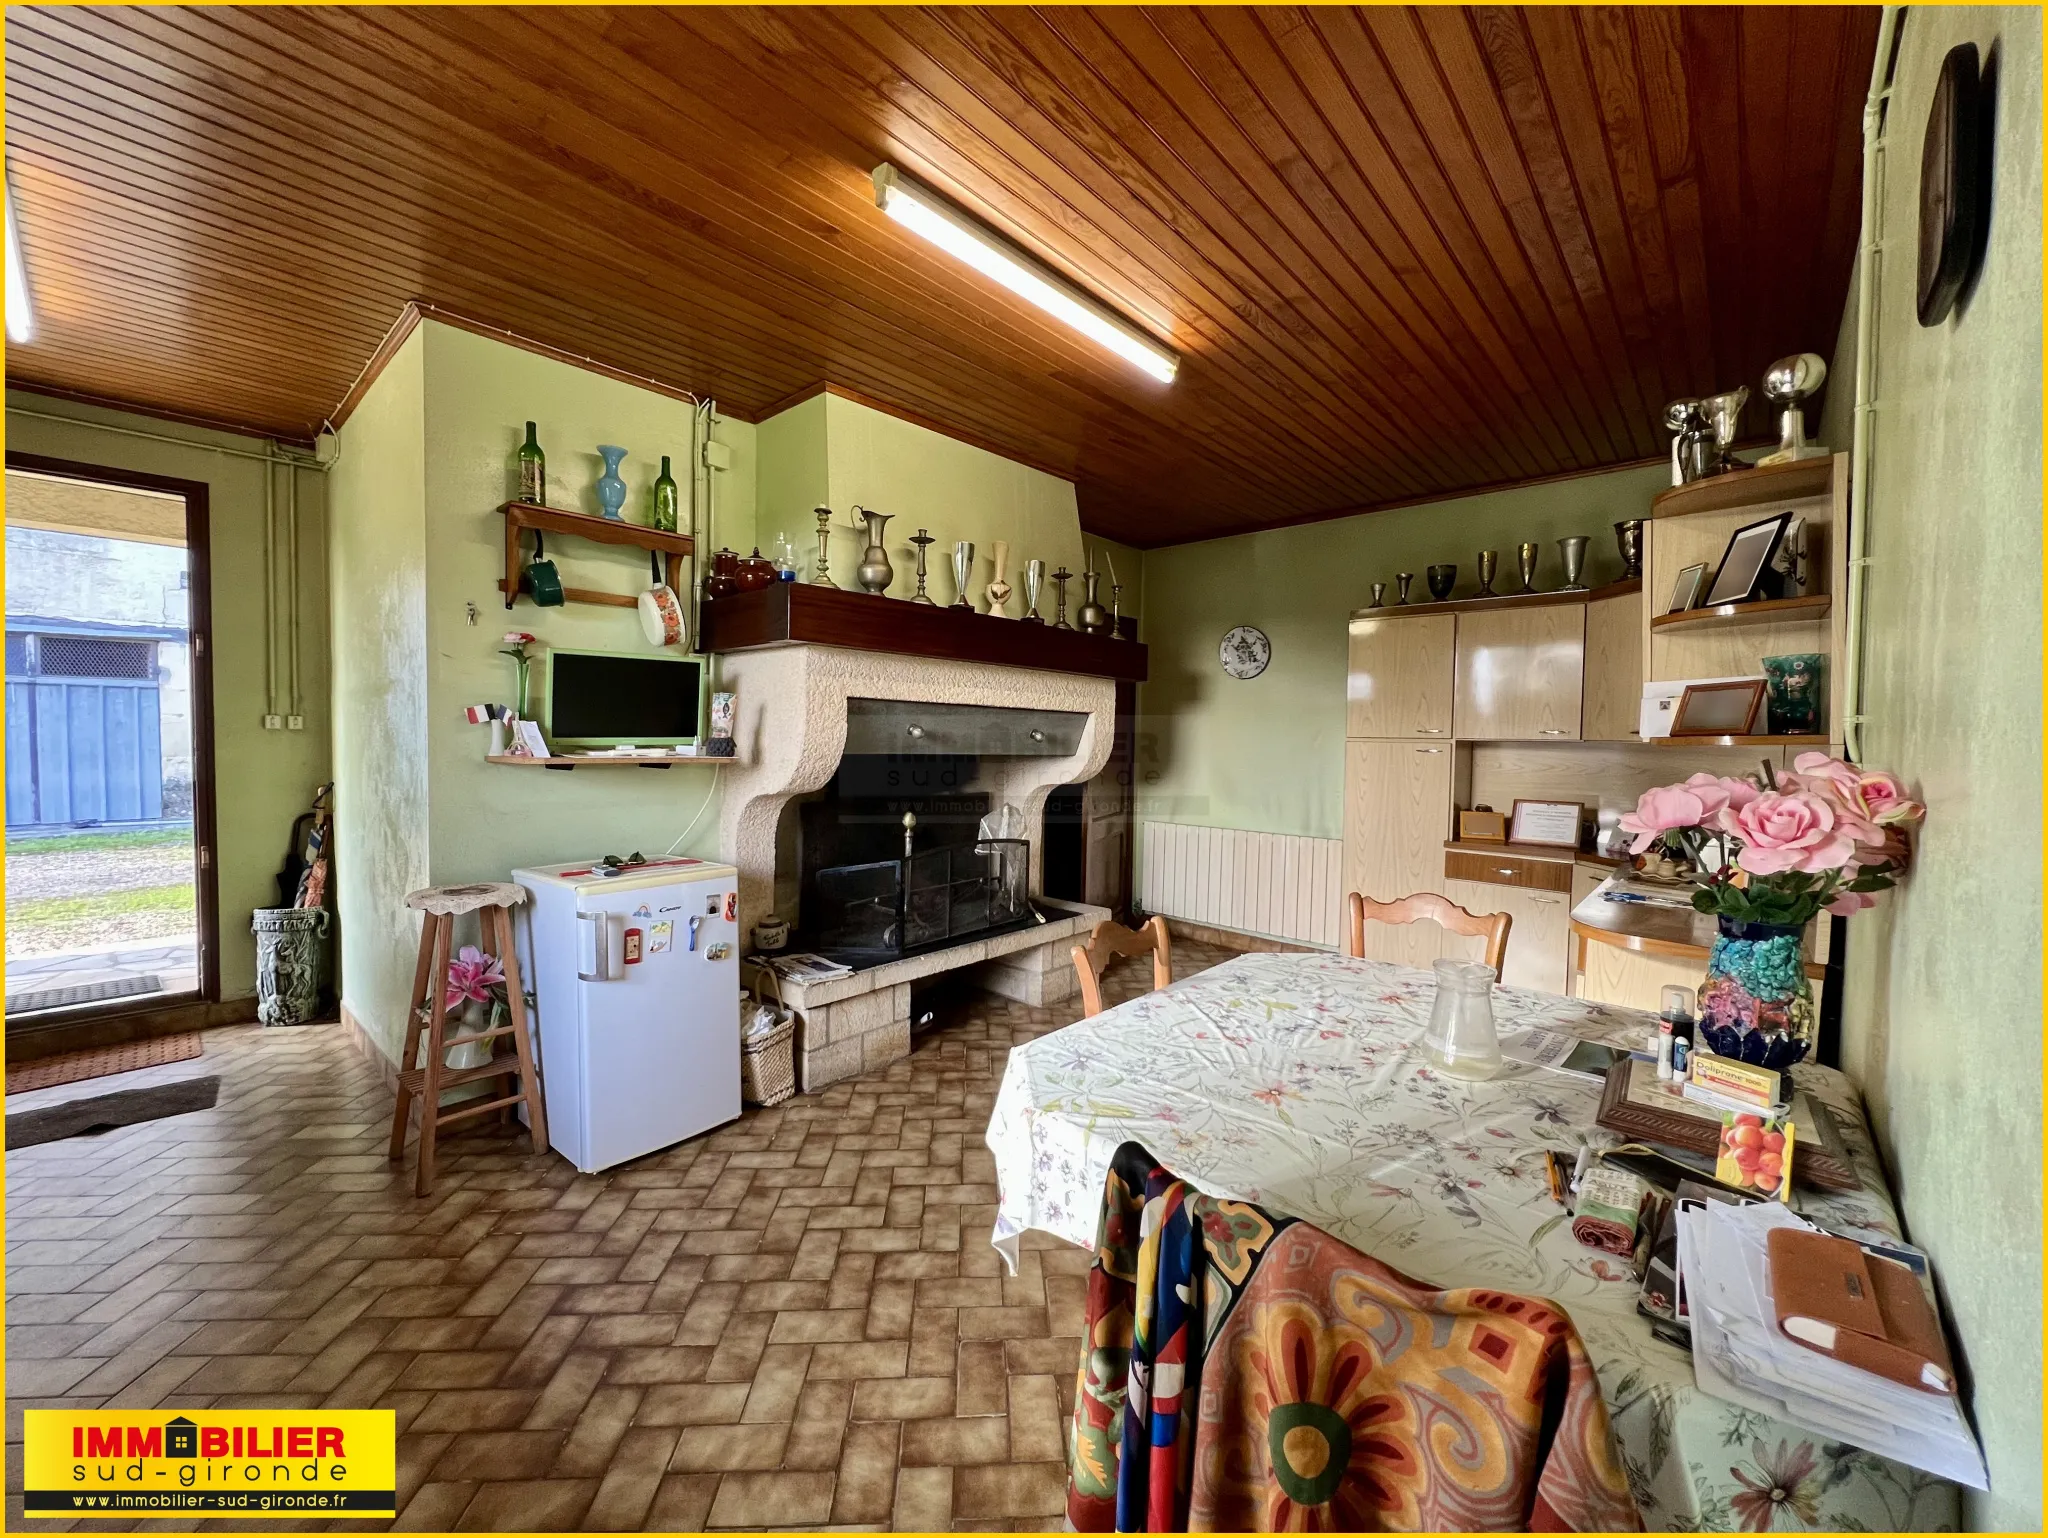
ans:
x=802 y=967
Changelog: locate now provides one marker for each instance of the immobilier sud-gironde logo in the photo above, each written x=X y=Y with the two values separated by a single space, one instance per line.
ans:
x=223 y=1463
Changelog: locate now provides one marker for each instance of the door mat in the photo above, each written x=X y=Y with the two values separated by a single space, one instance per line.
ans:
x=98 y=1062
x=103 y=1113
x=84 y=993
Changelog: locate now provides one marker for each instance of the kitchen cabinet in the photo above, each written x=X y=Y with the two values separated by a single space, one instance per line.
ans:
x=1614 y=669
x=1519 y=673
x=1539 y=937
x=1397 y=800
x=1398 y=683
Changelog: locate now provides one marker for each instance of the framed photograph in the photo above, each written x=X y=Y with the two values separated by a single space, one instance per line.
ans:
x=1482 y=826
x=1553 y=824
x=1686 y=591
x=1750 y=549
x=1718 y=710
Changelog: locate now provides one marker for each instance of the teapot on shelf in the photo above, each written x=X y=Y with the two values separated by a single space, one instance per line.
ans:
x=722 y=581
x=754 y=571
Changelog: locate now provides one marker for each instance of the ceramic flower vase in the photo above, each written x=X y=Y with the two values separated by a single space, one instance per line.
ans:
x=611 y=491
x=1757 y=1005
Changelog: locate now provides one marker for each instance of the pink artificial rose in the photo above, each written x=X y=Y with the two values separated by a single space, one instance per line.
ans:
x=1847 y=903
x=1781 y=832
x=1840 y=786
x=1718 y=790
x=1881 y=798
x=1658 y=811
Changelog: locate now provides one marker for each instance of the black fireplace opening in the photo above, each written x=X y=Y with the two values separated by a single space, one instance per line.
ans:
x=876 y=887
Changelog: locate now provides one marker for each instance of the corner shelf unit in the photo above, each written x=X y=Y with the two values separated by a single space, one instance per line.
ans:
x=1767 y=611
x=521 y=516
x=599 y=761
x=1691 y=525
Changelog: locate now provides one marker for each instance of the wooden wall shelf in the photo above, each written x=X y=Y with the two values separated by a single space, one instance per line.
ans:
x=1794 y=482
x=520 y=516
x=1757 y=741
x=1503 y=601
x=1767 y=611
x=790 y=612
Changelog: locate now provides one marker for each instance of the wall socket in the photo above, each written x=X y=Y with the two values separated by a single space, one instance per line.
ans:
x=295 y=723
x=273 y=723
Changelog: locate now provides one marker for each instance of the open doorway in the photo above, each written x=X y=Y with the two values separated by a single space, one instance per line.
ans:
x=110 y=893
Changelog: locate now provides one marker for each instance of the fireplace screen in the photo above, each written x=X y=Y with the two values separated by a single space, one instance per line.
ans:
x=888 y=908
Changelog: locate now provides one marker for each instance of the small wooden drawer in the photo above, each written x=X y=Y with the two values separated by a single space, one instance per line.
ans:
x=1506 y=869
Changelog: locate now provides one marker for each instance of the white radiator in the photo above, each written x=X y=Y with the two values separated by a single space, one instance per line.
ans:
x=1280 y=885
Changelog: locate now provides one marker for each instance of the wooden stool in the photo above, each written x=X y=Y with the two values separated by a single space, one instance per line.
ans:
x=492 y=902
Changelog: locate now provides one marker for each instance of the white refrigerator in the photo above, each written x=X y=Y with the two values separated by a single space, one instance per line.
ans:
x=636 y=980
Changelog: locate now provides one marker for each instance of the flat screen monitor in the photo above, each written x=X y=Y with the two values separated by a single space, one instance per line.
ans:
x=608 y=700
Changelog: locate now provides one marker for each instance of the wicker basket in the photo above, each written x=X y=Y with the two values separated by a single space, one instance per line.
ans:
x=768 y=1066
x=768 y=1063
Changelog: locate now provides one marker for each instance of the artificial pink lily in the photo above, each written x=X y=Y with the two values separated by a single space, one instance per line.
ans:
x=471 y=976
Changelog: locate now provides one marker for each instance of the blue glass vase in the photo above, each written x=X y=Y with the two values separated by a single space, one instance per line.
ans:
x=1757 y=1005
x=611 y=491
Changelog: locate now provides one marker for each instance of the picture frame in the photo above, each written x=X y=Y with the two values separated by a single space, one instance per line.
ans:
x=1482 y=825
x=1746 y=560
x=1685 y=593
x=1546 y=824
x=1718 y=710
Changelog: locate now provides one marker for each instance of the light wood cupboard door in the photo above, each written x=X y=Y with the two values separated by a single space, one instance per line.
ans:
x=1614 y=669
x=1397 y=799
x=1539 y=937
x=1399 y=678
x=1518 y=674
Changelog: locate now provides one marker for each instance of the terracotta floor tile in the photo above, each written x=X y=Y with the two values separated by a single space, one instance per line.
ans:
x=796 y=1319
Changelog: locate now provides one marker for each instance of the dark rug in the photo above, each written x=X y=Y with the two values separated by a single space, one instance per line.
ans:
x=84 y=993
x=103 y=1113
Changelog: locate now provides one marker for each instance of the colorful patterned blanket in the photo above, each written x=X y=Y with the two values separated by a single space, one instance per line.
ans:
x=1245 y=1372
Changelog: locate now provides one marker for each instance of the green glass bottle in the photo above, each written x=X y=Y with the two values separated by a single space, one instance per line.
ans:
x=666 y=507
x=533 y=471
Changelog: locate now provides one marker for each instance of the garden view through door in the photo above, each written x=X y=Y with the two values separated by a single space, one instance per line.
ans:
x=103 y=890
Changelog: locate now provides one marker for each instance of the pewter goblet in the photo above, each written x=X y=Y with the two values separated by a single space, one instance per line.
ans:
x=1442 y=578
x=963 y=568
x=1404 y=578
x=1379 y=595
x=1724 y=415
x=1525 y=558
x=1628 y=535
x=1489 y=563
x=1034 y=579
x=1573 y=548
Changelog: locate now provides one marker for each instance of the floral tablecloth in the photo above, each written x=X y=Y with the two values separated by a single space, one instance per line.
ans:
x=1298 y=1081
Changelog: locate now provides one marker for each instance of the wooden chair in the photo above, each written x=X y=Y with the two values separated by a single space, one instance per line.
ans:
x=421 y=1080
x=1490 y=927
x=1110 y=940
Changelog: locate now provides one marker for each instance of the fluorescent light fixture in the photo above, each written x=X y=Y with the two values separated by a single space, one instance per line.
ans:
x=21 y=315
x=917 y=208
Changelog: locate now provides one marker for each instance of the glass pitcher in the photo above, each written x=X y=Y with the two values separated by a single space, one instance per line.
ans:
x=1461 y=1039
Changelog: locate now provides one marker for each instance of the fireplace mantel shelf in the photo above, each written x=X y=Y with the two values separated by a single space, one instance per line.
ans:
x=787 y=613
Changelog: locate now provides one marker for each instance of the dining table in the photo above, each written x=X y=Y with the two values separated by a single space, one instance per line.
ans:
x=1299 y=1081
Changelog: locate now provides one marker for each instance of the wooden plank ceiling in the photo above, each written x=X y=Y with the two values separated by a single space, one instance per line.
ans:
x=1405 y=252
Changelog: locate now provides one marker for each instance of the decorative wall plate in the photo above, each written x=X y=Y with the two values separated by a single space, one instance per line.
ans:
x=1245 y=652
x=1952 y=189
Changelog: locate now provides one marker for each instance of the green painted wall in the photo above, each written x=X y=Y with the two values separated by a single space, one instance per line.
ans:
x=1942 y=1012
x=840 y=453
x=432 y=462
x=1267 y=754
x=378 y=553
x=263 y=779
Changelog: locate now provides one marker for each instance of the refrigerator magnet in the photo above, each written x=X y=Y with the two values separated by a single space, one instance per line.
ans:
x=732 y=906
x=633 y=937
x=661 y=937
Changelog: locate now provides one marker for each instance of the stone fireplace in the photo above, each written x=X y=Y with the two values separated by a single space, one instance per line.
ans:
x=829 y=740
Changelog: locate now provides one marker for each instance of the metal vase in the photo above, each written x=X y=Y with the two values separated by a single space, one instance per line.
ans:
x=1489 y=563
x=875 y=572
x=1034 y=579
x=922 y=538
x=1525 y=559
x=1628 y=538
x=1404 y=578
x=963 y=568
x=1573 y=548
x=1092 y=617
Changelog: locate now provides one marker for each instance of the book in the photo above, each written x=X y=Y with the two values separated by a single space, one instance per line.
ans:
x=1641 y=1107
